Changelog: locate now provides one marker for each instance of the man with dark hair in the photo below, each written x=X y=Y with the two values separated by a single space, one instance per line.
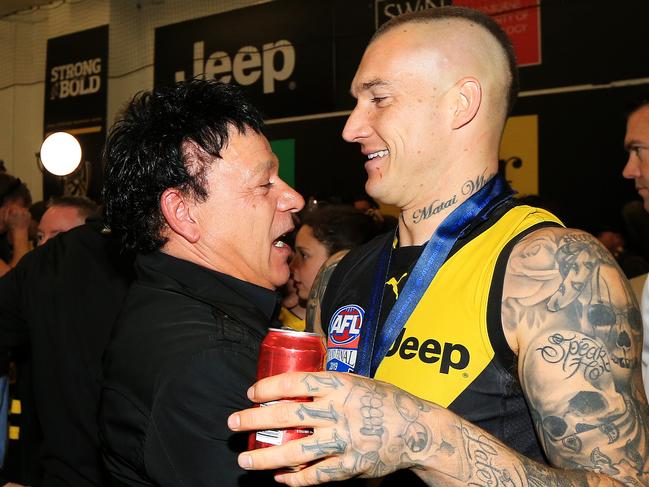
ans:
x=192 y=186
x=636 y=142
x=64 y=213
x=15 y=199
x=511 y=354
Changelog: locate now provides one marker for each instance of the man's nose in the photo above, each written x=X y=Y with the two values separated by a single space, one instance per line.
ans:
x=356 y=128
x=631 y=168
x=290 y=200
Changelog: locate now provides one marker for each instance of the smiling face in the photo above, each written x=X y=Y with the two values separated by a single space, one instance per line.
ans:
x=432 y=98
x=247 y=209
x=401 y=117
x=310 y=254
x=636 y=143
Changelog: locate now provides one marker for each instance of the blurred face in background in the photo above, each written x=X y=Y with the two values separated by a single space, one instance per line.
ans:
x=7 y=209
x=58 y=219
x=636 y=142
x=310 y=254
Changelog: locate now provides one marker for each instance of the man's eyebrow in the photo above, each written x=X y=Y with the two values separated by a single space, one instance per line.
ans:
x=629 y=144
x=368 y=85
x=265 y=166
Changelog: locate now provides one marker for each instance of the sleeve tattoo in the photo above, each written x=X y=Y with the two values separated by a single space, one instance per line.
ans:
x=580 y=336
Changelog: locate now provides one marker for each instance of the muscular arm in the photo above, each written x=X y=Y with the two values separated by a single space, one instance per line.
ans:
x=574 y=320
x=590 y=415
x=314 y=303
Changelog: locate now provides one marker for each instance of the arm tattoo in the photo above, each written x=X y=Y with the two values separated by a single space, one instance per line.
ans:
x=483 y=456
x=313 y=319
x=567 y=299
x=575 y=354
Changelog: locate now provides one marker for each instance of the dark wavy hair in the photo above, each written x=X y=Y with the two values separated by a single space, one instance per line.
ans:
x=340 y=227
x=470 y=15
x=13 y=189
x=167 y=138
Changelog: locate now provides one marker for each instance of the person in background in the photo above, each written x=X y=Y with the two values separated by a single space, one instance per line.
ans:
x=59 y=305
x=36 y=210
x=636 y=142
x=192 y=186
x=507 y=352
x=64 y=213
x=292 y=311
x=325 y=231
x=15 y=219
x=364 y=202
x=632 y=264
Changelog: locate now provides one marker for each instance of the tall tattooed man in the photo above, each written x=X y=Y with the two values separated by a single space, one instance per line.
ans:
x=489 y=345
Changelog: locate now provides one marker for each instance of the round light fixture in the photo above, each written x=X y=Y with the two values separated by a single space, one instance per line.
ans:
x=60 y=153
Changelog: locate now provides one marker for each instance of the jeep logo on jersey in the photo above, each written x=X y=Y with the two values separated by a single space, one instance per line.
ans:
x=449 y=355
x=274 y=62
x=345 y=324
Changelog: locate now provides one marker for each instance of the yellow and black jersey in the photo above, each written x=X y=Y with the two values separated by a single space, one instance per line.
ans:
x=290 y=320
x=452 y=349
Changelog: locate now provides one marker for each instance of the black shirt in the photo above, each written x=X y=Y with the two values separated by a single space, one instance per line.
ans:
x=183 y=355
x=61 y=301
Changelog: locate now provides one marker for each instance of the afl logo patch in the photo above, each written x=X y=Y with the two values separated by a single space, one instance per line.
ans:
x=345 y=325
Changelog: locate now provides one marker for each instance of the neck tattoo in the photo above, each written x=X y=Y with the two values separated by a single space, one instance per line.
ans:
x=469 y=187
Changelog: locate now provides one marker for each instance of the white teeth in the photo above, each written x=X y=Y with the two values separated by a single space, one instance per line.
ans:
x=279 y=243
x=381 y=153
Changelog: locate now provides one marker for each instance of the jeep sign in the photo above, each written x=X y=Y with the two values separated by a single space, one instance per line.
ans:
x=280 y=53
x=246 y=66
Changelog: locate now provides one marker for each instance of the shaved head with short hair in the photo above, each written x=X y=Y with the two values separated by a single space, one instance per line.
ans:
x=493 y=49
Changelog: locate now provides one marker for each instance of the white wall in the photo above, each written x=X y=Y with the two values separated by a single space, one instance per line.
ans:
x=23 y=43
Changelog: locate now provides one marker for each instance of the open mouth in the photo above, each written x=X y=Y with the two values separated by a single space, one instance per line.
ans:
x=380 y=153
x=281 y=242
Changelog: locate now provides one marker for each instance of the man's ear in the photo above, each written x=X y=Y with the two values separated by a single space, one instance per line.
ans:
x=467 y=103
x=177 y=209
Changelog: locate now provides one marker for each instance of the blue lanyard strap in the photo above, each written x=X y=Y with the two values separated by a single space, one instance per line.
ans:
x=374 y=346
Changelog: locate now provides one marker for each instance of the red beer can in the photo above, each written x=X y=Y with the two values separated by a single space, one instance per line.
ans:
x=286 y=351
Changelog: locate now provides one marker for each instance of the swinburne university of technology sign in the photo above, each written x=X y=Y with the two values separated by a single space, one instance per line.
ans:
x=279 y=52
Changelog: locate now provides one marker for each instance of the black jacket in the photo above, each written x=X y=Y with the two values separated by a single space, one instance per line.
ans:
x=61 y=301
x=183 y=355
